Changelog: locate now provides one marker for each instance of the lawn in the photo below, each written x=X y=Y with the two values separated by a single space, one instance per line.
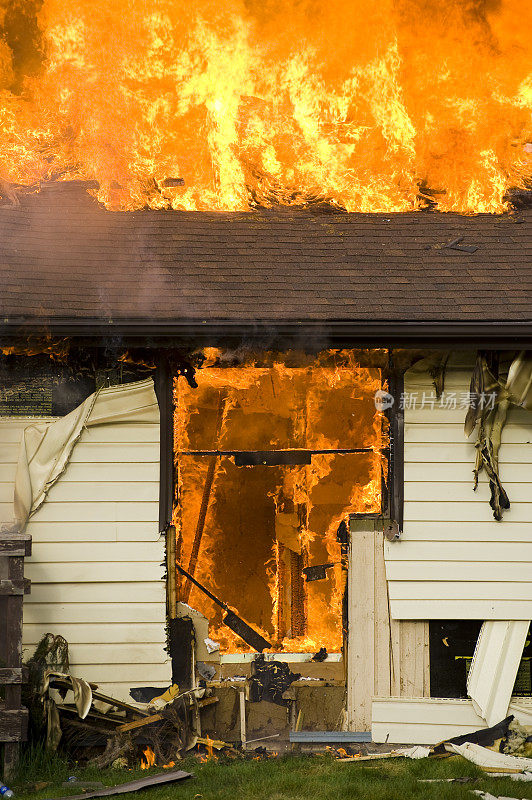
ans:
x=295 y=777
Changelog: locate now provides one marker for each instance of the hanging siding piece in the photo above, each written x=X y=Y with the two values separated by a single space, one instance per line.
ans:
x=494 y=668
x=491 y=418
x=46 y=447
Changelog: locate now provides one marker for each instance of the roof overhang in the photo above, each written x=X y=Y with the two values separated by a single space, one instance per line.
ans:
x=273 y=333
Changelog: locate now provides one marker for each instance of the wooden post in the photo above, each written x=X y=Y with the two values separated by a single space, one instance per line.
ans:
x=384 y=657
x=242 y=709
x=361 y=625
x=13 y=718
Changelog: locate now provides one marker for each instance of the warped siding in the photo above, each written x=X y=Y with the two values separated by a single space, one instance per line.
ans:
x=454 y=561
x=96 y=566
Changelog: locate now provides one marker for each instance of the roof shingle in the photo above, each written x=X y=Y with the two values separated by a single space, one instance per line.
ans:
x=62 y=256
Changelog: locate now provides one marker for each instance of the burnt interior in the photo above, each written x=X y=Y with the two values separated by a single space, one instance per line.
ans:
x=272 y=452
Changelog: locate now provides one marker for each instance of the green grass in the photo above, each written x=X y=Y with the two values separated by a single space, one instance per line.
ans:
x=317 y=777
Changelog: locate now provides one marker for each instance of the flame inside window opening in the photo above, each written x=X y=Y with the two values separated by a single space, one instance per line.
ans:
x=246 y=531
x=372 y=105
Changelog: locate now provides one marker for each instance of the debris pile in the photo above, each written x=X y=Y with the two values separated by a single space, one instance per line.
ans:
x=106 y=731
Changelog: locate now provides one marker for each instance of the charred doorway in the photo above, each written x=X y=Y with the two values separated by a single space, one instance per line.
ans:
x=272 y=452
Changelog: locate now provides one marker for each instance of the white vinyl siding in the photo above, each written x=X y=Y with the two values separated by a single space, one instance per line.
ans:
x=428 y=721
x=97 y=558
x=454 y=561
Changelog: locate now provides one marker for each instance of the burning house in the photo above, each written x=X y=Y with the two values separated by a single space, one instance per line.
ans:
x=232 y=405
x=250 y=474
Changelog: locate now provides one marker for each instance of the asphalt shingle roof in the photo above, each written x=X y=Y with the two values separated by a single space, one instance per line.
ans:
x=62 y=256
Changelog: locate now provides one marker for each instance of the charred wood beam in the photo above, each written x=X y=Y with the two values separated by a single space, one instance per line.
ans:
x=395 y=492
x=164 y=387
x=202 y=516
x=275 y=458
x=232 y=620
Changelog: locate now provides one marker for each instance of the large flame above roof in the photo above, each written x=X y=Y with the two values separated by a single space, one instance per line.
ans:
x=374 y=105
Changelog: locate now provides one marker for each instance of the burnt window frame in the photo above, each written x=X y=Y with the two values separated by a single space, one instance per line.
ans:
x=164 y=391
x=393 y=500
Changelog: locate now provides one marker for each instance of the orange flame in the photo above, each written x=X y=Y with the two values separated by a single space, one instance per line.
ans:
x=374 y=105
x=148 y=759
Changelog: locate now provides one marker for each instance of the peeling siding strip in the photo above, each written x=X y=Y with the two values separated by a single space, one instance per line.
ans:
x=494 y=668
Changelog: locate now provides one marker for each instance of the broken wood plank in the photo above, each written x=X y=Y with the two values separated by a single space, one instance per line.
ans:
x=139 y=723
x=218 y=744
x=372 y=757
x=133 y=786
x=70 y=709
x=208 y=701
x=169 y=182
x=116 y=746
x=112 y=701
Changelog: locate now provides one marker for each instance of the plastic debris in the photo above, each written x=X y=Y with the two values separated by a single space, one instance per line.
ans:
x=489 y=760
x=415 y=752
x=488 y=796
x=461 y=779
x=206 y=671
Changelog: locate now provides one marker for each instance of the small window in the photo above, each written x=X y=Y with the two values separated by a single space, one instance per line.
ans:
x=452 y=645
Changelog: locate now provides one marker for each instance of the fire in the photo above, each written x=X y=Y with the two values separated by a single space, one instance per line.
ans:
x=371 y=105
x=56 y=349
x=261 y=526
x=148 y=759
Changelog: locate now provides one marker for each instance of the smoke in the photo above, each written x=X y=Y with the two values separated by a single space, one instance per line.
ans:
x=22 y=42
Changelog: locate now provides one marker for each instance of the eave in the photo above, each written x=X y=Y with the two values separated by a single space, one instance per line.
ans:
x=492 y=334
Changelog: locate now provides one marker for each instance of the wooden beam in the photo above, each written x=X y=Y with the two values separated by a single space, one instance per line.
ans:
x=242 y=709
